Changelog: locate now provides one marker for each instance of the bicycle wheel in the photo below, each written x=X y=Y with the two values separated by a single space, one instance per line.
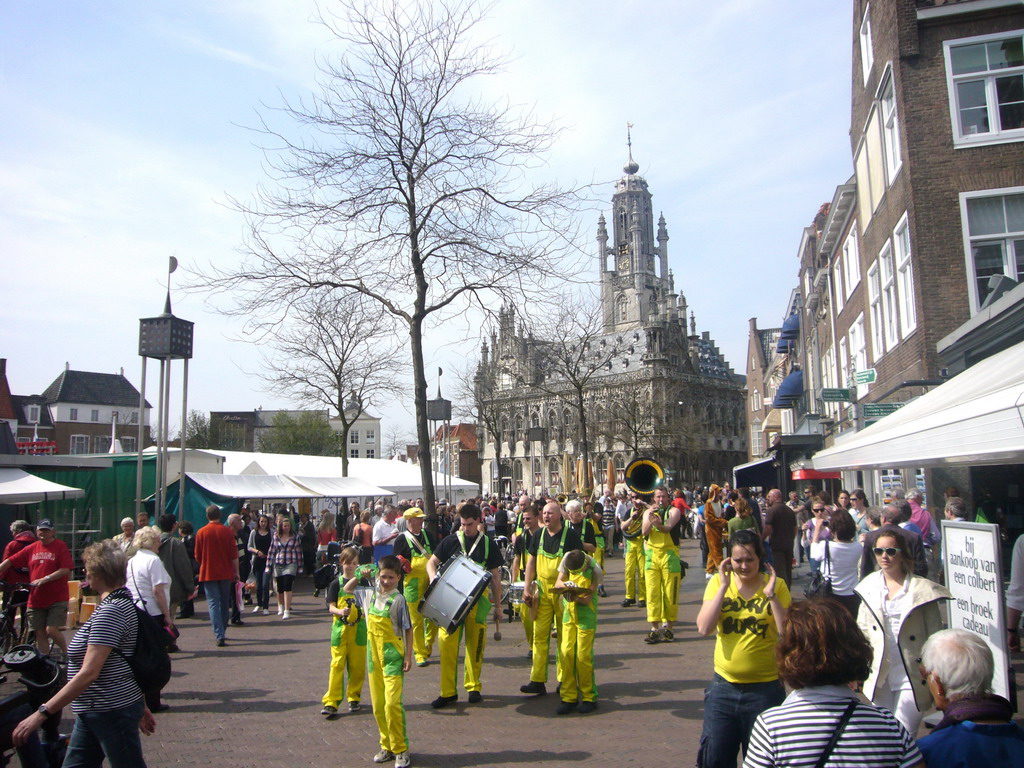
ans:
x=7 y=636
x=506 y=583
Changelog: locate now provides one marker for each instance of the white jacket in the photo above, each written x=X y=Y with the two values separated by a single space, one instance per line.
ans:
x=922 y=620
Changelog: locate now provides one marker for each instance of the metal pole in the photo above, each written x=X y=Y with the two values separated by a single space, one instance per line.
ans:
x=138 y=445
x=184 y=416
x=158 y=488
x=166 y=440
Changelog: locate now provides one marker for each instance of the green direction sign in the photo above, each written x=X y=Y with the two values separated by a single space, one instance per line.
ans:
x=835 y=395
x=867 y=376
x=878 y=410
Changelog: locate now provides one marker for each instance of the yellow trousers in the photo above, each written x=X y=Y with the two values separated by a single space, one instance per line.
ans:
x=424 y=631
x=635 y=570
x=475 y=630
x=549 y=613
x=577 y=671
x=662 y=585
x=385 y=662
x=346 y=657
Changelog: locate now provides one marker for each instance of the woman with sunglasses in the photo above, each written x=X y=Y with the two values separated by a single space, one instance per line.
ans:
x=898 y=612
x=859 y=500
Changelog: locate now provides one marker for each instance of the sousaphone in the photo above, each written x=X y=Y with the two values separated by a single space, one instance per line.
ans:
x=643 y=477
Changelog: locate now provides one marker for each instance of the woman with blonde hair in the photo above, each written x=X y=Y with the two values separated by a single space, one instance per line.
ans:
x=715 y=525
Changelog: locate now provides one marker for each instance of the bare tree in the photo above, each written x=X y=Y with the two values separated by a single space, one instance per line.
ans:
x=395 y=441
x=338 y=353
x=403 y=183
x=475 y=399
x=197 y=430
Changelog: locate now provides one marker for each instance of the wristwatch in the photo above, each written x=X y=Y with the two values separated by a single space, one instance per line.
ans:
x=43 y=710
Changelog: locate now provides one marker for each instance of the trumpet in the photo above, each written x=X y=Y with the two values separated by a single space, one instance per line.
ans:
x=636 y=521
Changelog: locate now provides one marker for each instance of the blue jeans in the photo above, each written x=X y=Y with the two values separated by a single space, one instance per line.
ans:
x=218 y=601
x=262 y=574
x=730 y=710
x=113 y=735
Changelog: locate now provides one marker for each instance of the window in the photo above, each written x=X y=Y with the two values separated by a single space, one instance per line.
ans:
x=94 y=415
x=353 y=437
x=33 y=414
x=837 y=281
x=985 y=76
x=851 y=261
x=858 y=351
x=867 y=54
x=79 y=443
x=869 y=168
x=101 y=444
x=371 y=454
x=755 y=401
x=129 y=444
x=844 y=363
x=890 y=129
x=889 y=300
x=74 y=415
x=353 y=453
x=371 y=435
x=875 y=304
x=904 y=277
x=995 y=240
x=135 y=418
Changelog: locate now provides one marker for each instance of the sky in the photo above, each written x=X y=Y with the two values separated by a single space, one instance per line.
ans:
x=128 y=126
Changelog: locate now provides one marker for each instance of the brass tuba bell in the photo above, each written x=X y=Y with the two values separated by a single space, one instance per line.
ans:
x=644 y=476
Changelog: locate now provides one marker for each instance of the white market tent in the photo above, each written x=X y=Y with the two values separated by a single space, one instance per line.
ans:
x=397 y=478
x=977 y=417
x=251 y=486
x=19 y=487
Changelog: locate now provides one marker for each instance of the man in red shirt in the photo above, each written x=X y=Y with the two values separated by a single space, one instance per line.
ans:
x=49 y=564
x=217 y=554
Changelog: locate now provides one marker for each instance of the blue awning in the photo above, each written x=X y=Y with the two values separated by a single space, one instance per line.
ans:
x=786 y=346
x=790 y=390
x=791 y=327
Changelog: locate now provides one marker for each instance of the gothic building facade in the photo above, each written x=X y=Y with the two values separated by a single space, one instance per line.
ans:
x=644 y=381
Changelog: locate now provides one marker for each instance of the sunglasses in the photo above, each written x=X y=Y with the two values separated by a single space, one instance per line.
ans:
x=890 y=551
x=819 y=509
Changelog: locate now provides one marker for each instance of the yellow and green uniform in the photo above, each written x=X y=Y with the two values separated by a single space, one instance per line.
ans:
x=661 y=566
x=424 y=631
x=474 y=627
x=523 y=549
x=548 y=609
x=636 y=581
x=598 y=542
x=348 y=651
x=385 y=657
x=579 y=625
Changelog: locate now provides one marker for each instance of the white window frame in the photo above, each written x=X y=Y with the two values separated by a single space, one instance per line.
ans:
x=33 y=412
x=94 y=414
x=875 y=308
x=353 y=437
x=755 y=401
x=756 y=439
x=76 y=442
x=995 y=135
x=891 y=150
x=904 y=276
x=890 y=302
x=1009 y=266
x=851 y=262
x=128 y=444
x=859 y=351
x=371 y=435
x=844 y=362
x=867 y=53
x=837 y=282
x=101 y=443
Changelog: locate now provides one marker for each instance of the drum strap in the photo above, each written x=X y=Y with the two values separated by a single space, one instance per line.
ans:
x=416 y=543
x=479 y=536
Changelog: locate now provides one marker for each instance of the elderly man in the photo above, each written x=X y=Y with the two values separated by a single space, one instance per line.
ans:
x=217 y=554
x=384 y=533
x=976 y=728
x=177 y=563
x=662 y=569
x=545 y=553
x=417 y=546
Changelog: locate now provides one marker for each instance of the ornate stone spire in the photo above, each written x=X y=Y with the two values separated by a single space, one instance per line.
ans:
x=630 y=167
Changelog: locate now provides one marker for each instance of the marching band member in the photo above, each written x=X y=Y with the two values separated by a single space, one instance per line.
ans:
x=636 y=580
x=546 y=552
x=471 y=541
x=348 y=639
x=661 y=526
x=531 y=525
x=416 y=546
x=579 y=625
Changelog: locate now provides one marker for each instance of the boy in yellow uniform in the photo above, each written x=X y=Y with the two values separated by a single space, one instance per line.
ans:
x=348 y=640
x=389 y=657
x=579 y=625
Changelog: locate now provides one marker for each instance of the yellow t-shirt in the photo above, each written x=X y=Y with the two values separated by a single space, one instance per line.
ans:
x=747 y=635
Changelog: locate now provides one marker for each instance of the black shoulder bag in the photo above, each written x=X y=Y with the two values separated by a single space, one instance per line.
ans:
x=840 y=726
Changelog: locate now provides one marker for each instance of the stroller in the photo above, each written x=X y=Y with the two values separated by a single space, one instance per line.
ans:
x=325 y=574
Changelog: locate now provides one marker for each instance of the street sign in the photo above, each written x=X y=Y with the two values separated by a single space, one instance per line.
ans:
x=878 y=410
x=835 y=395
x=866 y=376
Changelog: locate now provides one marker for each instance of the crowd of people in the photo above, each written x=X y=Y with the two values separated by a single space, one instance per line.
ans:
x=862 y=664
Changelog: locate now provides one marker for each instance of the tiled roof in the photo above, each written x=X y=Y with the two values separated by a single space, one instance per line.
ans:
x=21 y=403
x=90 y=388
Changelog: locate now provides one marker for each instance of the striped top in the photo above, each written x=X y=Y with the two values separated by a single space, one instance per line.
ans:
x=796 y=733
x=114 y=623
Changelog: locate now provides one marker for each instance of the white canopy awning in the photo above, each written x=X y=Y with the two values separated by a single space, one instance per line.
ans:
x=339 y=487
x=19 y=487
x=977 y=417
x=251 y=486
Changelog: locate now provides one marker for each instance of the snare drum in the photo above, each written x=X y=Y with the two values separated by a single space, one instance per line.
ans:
x=457 y=587
x=515 y=592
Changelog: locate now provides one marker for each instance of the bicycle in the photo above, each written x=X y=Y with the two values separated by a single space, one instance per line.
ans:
x=15 y=599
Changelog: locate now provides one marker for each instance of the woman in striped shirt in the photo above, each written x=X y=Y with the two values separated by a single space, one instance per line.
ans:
x=285 y=557
x=821 y=654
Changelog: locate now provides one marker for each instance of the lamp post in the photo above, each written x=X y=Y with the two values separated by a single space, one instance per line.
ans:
x=164 y=338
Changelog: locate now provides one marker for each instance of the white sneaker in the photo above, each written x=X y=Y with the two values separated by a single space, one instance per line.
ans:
x=383 y=756
x=285 y=615
x=255 y=609
x=402 y=760
x=266 y=612
x=280 y=610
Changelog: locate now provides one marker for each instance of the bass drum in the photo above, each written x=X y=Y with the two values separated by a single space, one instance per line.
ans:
x=457 y=587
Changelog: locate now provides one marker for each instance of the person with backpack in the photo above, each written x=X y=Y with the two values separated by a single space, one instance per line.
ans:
x=102 y=689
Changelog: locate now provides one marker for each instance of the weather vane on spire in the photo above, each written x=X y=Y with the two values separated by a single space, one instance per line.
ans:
x=631 y=167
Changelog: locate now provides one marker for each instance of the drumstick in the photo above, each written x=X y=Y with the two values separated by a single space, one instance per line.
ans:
x=497 y=628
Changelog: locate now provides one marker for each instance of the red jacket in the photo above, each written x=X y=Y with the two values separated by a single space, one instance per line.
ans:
x=22 y=540
x=217 y=553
